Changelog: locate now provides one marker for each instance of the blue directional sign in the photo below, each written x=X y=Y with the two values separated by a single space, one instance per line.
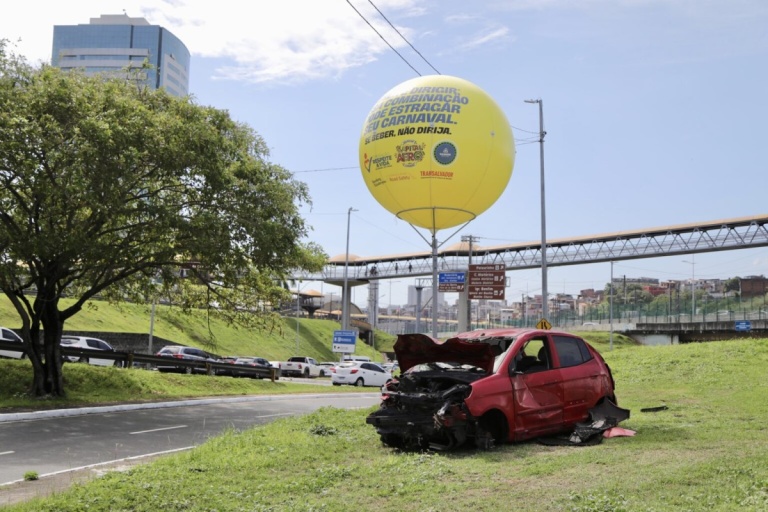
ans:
x=743 y=325
x=450 y=277
x=344 y=342
x=451 y=281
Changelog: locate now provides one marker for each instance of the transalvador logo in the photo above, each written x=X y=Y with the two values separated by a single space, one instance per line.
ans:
x=378 y=162
x=445 y=153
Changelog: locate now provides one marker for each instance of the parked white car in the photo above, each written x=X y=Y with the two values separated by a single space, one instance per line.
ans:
x=8 y=336
x=88 y=343
x=326 y=368
x=358 y=373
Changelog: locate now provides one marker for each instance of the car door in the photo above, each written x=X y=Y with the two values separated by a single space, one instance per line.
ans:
x=373 y=374
x=11 y=337
x=581 y=377
x=537 y=391
x=97 y=344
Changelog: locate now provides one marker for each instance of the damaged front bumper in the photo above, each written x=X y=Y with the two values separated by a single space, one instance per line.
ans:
x=416 y=421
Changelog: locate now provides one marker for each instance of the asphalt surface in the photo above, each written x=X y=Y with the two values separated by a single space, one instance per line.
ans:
x=67 y=446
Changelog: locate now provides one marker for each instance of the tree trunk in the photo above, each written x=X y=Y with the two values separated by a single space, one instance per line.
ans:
x=48 y=379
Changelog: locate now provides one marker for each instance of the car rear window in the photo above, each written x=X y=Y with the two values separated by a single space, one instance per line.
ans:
x=571 y=351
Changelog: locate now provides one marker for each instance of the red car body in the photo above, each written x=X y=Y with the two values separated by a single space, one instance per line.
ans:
x=490 y=387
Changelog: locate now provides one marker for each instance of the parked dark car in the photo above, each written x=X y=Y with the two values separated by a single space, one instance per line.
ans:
x=190 y=354
x=228 y=360
x=490 y=387
x=253 y=363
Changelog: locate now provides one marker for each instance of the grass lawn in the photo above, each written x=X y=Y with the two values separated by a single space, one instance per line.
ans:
x=708 y=451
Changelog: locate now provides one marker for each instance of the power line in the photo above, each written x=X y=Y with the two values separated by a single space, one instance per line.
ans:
x=328 y=169
x=382 y=38
x=402 y=36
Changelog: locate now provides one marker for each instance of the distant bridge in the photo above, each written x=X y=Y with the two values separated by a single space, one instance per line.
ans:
x=701 y=237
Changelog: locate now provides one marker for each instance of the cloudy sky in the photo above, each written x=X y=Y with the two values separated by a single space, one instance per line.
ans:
x=654 y=109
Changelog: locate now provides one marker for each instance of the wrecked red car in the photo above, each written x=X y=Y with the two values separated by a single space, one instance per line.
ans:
x=490 y=387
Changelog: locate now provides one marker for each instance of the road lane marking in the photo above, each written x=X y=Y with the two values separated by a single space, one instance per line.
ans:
x=99 y=464
x=6 y=453
x=158 y=429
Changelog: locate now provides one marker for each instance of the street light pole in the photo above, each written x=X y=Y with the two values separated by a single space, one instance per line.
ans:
x=610 y=344
x=345 y=291
x=542 y=133
x=298 y=313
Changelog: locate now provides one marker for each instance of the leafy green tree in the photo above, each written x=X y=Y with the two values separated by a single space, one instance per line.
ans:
x=732 y=285
x=106 y=187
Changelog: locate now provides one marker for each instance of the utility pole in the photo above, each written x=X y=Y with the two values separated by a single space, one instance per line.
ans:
x=470 y=239
x=542 y=133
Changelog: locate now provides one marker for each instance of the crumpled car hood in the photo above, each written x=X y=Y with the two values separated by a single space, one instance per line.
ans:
x=415 y=349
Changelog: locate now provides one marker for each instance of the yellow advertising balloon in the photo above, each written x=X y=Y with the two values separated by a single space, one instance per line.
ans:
x=436 y=151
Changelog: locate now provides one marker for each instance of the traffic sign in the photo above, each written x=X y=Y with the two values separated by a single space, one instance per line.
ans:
x=544 y=324
x=486 y=292
x=743 y=325
x=451 y=281
x=487 y=281
x=344 y=341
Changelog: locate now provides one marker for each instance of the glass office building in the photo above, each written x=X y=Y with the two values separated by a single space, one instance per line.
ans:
x=113 y=43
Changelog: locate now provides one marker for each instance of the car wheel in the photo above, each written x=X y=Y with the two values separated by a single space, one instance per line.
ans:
x=337 y=383
x=83 y=360
x=188 y=370
x=322 y=373
x=359 y=382
x=306 y=373
x=393 y=440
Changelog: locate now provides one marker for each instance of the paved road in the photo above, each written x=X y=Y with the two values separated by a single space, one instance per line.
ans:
x=49 y=442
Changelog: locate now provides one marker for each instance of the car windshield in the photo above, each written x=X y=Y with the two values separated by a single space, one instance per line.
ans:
x=503 y=346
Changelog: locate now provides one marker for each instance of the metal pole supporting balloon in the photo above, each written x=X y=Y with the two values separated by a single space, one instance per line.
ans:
x=435 y=287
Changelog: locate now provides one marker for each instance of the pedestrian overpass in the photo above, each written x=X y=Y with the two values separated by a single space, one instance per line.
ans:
x=681 y=239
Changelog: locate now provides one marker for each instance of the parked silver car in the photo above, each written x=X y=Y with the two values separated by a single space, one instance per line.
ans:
x=8 y=336
x=88 y=343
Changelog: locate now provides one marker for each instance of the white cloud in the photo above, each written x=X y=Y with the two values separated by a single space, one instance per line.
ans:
x=495 y=35
x=284 y=40
x=291 y=40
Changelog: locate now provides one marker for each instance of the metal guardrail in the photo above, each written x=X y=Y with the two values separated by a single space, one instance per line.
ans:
x=130 y=360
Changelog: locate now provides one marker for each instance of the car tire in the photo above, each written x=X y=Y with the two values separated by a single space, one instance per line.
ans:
x=188 y=370
x=306 y=373
x=360 y=382
x=337 y=383
x=83 y=360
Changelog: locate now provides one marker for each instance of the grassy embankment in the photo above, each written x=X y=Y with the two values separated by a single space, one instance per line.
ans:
x=275 y=342
x=706 y=452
